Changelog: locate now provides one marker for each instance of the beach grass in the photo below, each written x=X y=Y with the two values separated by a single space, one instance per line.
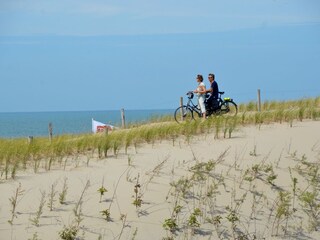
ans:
x=256 y=195
x=19 y=154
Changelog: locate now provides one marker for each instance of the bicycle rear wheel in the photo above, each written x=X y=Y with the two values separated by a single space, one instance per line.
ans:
x=183 y=114
x=229 y=108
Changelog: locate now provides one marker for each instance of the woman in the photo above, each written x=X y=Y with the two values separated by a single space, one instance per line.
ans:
x=201 y=93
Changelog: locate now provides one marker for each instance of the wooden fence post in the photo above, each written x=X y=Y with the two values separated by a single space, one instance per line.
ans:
x=50 y=131
x=259 y=101
x=123 y=118
x=181 y=109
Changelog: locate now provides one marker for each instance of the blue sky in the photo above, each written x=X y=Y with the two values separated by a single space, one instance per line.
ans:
x=104 y=55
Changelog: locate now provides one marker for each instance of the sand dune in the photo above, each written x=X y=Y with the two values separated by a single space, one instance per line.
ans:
x=210 y=188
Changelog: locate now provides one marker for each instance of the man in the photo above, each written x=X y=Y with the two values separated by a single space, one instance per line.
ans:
x=214 y=92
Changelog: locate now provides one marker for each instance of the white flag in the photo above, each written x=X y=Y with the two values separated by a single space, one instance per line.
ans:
x=100 y=127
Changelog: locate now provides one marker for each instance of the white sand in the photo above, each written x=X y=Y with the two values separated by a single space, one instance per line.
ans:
x=276 y=144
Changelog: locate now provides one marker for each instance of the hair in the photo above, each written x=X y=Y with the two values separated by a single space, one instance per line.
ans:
x=211 y=75
x=199 y=76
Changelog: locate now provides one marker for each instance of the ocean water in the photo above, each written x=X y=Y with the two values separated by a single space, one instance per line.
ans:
x=13 y=125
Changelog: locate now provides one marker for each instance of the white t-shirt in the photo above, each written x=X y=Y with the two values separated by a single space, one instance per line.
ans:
x=199 y=89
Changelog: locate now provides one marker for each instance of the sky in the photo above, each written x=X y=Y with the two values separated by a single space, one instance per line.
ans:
x=77 y=55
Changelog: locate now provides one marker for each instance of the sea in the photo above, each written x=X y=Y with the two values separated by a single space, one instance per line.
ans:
x=36 y=124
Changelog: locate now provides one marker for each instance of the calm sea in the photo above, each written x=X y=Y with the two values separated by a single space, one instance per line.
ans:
x=13 y=125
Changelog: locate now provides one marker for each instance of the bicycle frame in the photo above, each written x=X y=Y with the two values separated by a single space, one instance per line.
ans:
x=190 y=109
x=193 y=107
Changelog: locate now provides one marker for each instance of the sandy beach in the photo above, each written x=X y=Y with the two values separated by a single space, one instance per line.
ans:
x=252 y=185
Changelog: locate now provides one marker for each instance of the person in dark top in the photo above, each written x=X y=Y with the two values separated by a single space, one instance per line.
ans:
x=214 y=91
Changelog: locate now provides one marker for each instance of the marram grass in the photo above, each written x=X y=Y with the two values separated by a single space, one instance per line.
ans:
x=19 y=155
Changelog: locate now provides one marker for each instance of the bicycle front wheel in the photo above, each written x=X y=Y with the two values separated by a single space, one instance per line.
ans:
x=229 y=108
x=183 y=114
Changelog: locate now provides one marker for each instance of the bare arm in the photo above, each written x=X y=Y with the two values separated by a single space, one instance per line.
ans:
x=209 y=90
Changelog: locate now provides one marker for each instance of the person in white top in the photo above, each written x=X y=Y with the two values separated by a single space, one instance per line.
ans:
x=201 y=93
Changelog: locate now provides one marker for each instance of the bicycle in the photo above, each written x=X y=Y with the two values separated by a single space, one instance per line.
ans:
x=192 y=111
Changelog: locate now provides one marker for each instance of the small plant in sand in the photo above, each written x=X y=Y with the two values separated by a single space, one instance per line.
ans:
x=63 y=194
x=137 y=194
x=233 y=218
x=170 y=224
x=52 y=195
x=200 y=170
x=14 y=200
x=182 y=186
x=123 y=218
x=193 y=221
x=129 y=161
x=156 y=171
x=134 y=234
x=78 y=207
x=106 y=214
x=252 y=173
x=253 y=153
x=39 y=212
x=271 y=178
x=34 y=237
x=102 y=190
x=233 y=213
x=268 y=169
x=216 y=221
x=282 y=211
x=311 y=206
x=69 y=232
x=294 y=189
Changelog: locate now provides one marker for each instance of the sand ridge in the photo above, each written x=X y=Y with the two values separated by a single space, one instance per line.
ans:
x=211 y=188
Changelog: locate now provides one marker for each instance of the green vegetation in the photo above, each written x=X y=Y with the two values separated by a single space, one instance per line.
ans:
x=106 y=214
x=14 y=200
x=68 y=233
x=35 y=220
x=19 y=154
x=63 y=193
x=277 y=203
x=102 y=190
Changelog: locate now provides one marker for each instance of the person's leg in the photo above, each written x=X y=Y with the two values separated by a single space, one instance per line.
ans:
x=214 y=103
x=202 y=106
